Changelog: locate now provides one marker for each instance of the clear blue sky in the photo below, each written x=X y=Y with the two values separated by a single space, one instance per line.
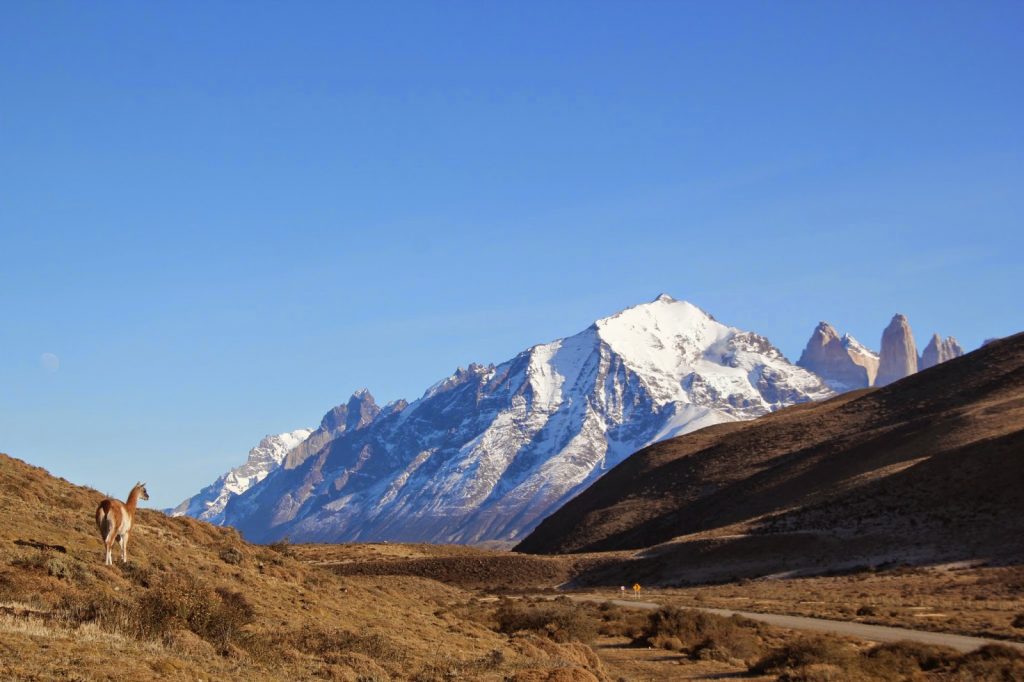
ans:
x=222 y=218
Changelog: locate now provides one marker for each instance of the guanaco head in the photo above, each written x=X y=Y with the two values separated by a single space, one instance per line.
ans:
x=143 y=494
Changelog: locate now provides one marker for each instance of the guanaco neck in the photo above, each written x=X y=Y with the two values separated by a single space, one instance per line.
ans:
x=133 y=499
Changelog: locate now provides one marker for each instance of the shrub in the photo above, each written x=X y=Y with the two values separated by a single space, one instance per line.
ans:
x=619 y=622
x=992 y=662
x=216 y=615
x=282 y=547
x=231 y=555
x=905 y=659
x=562 y=621
x=805 y=652
x=701 y=634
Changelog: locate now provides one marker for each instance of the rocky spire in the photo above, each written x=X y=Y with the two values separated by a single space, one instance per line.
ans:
x=843 y=363
x=898 y=357
x=939 y=350
x=362 y=409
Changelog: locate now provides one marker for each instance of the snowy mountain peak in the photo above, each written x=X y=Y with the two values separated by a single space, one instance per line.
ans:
x=488 y=451
x=854 y=346
x=209 y=503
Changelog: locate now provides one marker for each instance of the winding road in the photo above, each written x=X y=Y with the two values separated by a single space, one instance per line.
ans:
x=871 y=633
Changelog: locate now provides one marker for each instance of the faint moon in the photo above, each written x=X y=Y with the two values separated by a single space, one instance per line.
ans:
x=50 y=362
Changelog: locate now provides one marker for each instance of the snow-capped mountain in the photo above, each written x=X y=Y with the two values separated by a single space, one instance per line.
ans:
x=208 y=504
x=490 y=451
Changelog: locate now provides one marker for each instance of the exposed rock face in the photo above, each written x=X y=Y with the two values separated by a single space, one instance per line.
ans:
x=359 y=410
x=843 y=363
x=939 y=350
x=898 y=357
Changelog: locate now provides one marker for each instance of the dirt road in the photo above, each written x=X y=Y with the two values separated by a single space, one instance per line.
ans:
x=871 y=633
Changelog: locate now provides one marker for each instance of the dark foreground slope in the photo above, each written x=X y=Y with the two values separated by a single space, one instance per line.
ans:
x=930 y=468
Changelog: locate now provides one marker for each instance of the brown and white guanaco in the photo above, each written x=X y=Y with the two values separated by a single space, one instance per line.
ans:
x=114 y=519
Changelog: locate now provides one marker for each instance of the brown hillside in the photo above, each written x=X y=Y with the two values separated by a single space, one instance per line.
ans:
x=196 y=602
x=930 y=468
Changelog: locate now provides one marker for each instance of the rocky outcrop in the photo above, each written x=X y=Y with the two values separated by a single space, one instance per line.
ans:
x=940 y=350
x=358 y=411
x=842 y=362
x=898 y=356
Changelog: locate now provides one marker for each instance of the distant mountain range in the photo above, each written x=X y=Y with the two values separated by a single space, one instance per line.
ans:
x=925 y=470
x=490 y=451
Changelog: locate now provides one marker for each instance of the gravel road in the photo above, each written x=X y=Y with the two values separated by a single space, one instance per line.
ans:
x=871 y=633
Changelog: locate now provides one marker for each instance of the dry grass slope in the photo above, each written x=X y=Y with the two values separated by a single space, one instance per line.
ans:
x=196 y=602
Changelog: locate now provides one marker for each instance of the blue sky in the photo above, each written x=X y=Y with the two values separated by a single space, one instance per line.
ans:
x=222 y=218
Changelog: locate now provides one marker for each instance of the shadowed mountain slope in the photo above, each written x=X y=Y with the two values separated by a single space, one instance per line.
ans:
x=929 y=468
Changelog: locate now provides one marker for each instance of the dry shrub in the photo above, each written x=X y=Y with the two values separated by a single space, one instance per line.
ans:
x=619 y=622
x=282 y=547
x=906 y=658
x=805 y=653
x=215 y=615
x=822 y=658
x=561 y=620
x=993 y=662
x=702 y=635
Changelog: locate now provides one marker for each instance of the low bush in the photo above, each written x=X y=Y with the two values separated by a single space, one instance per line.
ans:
x=561 y=620
x=701 y=635
x=822 y=658
x=619 y=622
x=216 y=615
x=807 y=652
x=993 y=662
x=899 y=659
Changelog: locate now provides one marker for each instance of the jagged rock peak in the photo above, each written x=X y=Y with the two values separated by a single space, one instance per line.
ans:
x=335 y=418
x=940 y=350
x=843 y=363
x=362 y=410
x=898 y=356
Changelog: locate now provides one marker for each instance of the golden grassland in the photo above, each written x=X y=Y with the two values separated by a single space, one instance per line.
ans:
x=978 y=601
x=196 y=602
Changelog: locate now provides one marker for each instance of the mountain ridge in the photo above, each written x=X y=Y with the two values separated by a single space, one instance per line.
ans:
x=486 y=452
x=922 y=470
